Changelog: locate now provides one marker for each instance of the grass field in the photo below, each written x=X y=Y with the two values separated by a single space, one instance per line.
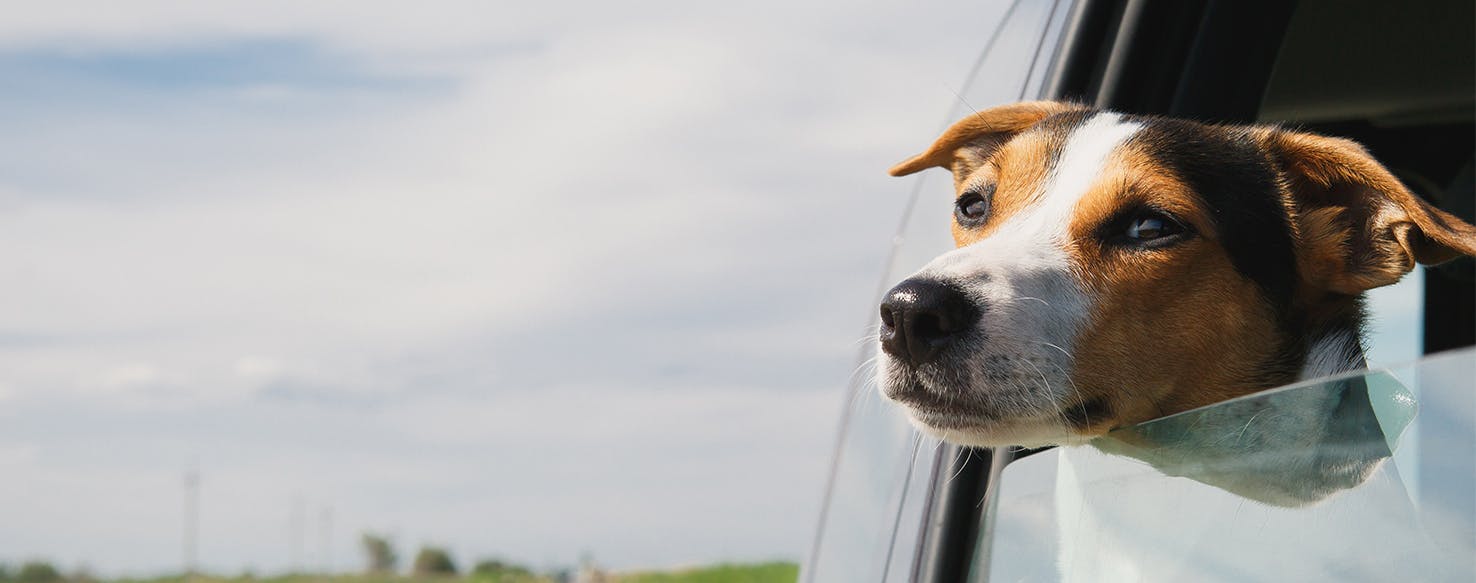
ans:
x=775 y=572
x=760 y=573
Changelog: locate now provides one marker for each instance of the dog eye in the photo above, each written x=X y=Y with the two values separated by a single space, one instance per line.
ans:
x=971 y=208
x=1150 y=226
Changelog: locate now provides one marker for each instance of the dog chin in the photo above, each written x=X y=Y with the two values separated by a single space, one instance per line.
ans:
x=978 y=424
x=1037 y=432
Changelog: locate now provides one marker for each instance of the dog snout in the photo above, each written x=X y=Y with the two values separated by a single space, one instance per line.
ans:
x=920 y=317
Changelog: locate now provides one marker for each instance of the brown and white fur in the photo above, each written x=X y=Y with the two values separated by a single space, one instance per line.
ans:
x=1112 y=269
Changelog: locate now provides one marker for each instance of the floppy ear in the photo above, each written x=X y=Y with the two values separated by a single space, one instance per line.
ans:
x=1358 y=226
x=969 y=142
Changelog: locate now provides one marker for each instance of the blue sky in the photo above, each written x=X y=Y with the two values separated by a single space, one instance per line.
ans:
x=525 y=281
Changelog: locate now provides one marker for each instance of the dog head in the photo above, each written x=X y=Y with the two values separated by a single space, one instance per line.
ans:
x=1112 y=269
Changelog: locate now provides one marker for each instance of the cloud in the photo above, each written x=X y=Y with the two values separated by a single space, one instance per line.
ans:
x=479 y=472
x=519 y=283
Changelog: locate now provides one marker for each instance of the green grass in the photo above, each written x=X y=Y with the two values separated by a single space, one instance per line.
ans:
x=776 y=572
x=759 y=573
x=387 y=578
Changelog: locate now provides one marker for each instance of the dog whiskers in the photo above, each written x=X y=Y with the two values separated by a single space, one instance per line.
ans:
x=1029 y=298
x=871 y=333
x=961 y=99
x=867 y=368
x=969 y=453
x=1058 y=348
x=1076 y=394
x=1050 y=396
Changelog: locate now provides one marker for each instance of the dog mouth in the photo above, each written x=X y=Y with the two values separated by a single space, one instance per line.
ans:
x=941 y=412
x=952 y=420
x=978 y=428
x=984 y=413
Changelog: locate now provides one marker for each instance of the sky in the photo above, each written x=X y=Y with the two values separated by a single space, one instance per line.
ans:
x=526 y=280
x=531 y=281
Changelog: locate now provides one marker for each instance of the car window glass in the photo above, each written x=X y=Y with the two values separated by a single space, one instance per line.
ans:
x=873 y=511
x=1396 y=321
x=1361 y=477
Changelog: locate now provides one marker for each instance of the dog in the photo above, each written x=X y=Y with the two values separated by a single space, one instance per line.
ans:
x=1112 y=268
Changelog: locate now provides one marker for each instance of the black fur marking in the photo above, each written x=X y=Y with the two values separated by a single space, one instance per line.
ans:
x=1240 y=186
x=1057 y=129
x=1238 y=183
x=1082 y=415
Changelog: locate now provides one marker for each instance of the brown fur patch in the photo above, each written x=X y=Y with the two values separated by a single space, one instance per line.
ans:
x=1171 y=328
x=1357 y=226
x=1018 y=171
x=979 y=135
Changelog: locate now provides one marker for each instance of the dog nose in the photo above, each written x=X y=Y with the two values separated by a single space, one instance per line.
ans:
x=920 y=317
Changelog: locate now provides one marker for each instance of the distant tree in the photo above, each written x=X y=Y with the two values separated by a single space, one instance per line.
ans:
x=501 y=571
x=5 y=574
x=434 y=561
x=83 y=574
x=37 y=572
x=379 y=553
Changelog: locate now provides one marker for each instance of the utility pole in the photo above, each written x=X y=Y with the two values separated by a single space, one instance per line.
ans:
x=191 y=519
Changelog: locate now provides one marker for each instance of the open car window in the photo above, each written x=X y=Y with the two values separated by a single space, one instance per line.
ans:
x=1365 y=477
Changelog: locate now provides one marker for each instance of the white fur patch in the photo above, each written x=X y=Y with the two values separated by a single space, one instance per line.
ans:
x=1079 y=166
x=1338 y=351
x=1033 y=304
x=1037 y=234
x=1026 y=258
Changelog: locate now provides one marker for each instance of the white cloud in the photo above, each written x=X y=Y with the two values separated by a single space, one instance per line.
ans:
x=557 y=269
x=258 y=367
x=127 y=376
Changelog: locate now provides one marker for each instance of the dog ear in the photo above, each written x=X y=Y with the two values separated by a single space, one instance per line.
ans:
x=1358 y=226
x=970 y=141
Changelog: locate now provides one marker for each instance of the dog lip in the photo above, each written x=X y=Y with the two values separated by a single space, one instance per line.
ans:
x=952 y=419
x=913 y=395
x=924 y=403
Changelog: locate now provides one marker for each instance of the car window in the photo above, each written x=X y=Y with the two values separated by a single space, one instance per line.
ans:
x=1396 y=316
x=1365 y=477
x=873 y=510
